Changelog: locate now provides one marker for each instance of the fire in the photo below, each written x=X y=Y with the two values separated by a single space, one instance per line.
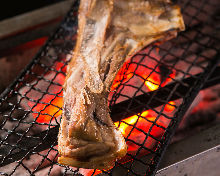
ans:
x=133 y=126
x=126 y=123
x=123 y=125
x=153 y=82
x=143 y=122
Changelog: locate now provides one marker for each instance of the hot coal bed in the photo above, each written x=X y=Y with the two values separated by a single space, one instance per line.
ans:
x=151 y=94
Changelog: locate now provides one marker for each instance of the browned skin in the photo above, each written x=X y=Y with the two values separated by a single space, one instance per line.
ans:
x=109 y=33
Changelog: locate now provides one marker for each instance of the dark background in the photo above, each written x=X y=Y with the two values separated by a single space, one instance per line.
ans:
x=10 y=8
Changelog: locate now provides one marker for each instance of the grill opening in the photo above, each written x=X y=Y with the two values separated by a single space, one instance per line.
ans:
x=148 y=98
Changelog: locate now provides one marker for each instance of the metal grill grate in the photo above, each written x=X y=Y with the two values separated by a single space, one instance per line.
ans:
x=161 y=81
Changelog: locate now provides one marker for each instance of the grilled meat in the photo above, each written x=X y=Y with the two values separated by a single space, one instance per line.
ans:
x=109 y=32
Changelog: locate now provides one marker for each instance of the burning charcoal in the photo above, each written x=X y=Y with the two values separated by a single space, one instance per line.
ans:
x=50 y=103
x=186 y=55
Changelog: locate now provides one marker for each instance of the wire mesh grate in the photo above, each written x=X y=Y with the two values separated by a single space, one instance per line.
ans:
x=149 y=96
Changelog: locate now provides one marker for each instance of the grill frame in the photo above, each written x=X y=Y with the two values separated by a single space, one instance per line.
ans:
x=199 y=83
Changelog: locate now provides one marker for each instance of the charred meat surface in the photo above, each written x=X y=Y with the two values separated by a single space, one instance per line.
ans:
x=109 y=32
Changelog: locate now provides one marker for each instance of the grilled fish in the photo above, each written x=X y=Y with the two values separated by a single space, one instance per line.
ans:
x=109 y=32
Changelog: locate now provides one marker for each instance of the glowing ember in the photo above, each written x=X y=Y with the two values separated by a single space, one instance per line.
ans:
x=170 y=107
x=152 y=83
x=143 y=128
x=126 y=123
x=136 y=126
x=48 y=112
x=49 y=105
x=124 y=74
